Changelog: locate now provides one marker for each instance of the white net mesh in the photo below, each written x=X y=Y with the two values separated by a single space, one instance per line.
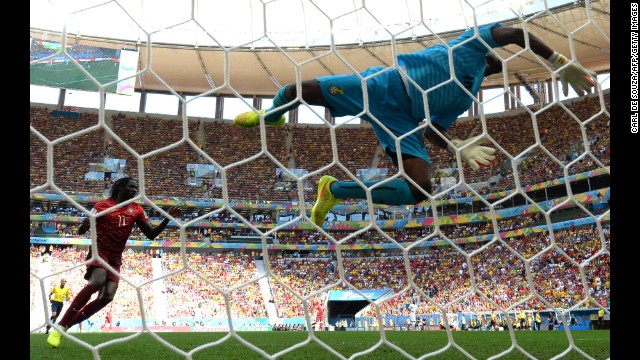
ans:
x=506 y=252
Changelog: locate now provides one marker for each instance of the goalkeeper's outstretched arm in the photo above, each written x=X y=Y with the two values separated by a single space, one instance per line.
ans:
x=570 y=74
x=505 y=35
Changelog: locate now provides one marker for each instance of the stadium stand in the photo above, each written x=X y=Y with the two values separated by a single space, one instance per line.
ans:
x=199 y=286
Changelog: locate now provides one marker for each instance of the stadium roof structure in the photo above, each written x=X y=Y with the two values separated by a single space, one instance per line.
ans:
x=253 y=47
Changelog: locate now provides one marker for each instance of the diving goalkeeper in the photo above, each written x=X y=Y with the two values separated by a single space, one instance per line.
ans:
x=395 y=99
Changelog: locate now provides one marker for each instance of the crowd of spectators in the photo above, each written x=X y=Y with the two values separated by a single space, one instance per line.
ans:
x=506 y=271
x=136 y=268
x=308 y=147
x=442 y=273
x=186 y=289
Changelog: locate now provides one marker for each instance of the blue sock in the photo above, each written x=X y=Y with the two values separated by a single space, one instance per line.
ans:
x=394 y=192
x=280 y=100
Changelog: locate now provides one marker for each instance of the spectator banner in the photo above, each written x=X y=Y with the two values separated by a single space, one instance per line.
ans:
x=106 y=167
x=283 y=176
x=350 y=295
x=371 y=174
x=203 y=171
x=127 y=71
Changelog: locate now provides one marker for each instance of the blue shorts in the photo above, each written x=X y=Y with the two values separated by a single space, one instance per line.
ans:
x=56 y=307
x=388 y=103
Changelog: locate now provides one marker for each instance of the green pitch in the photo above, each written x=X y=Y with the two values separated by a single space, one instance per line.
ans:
x=478 y=344
x=69 y=76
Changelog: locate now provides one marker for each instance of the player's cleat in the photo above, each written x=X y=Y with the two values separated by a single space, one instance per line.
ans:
x=325 y=200
x=251 y=119
x=54 y=338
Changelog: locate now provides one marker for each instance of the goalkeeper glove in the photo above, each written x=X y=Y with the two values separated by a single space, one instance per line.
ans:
x=473 y=154
x=581 y=81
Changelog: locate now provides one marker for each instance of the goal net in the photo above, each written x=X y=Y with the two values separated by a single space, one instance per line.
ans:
x=490 y=250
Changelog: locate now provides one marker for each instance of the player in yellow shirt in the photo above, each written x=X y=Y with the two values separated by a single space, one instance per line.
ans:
x=538 y=319
x=601 y=317
x=494 y=321
x=530 y=325
x=58 y=295
x=522 y=319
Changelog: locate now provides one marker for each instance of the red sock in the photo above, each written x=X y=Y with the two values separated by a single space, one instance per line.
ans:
x=87 y=311
x=78 y=302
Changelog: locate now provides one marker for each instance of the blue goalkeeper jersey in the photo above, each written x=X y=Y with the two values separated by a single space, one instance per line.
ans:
x=430 y=67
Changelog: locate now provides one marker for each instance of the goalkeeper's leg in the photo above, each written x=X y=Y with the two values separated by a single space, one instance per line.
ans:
x=393 y=192
x=311 y=94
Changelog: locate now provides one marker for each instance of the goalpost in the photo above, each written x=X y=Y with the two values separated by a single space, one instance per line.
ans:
x=416 y=28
